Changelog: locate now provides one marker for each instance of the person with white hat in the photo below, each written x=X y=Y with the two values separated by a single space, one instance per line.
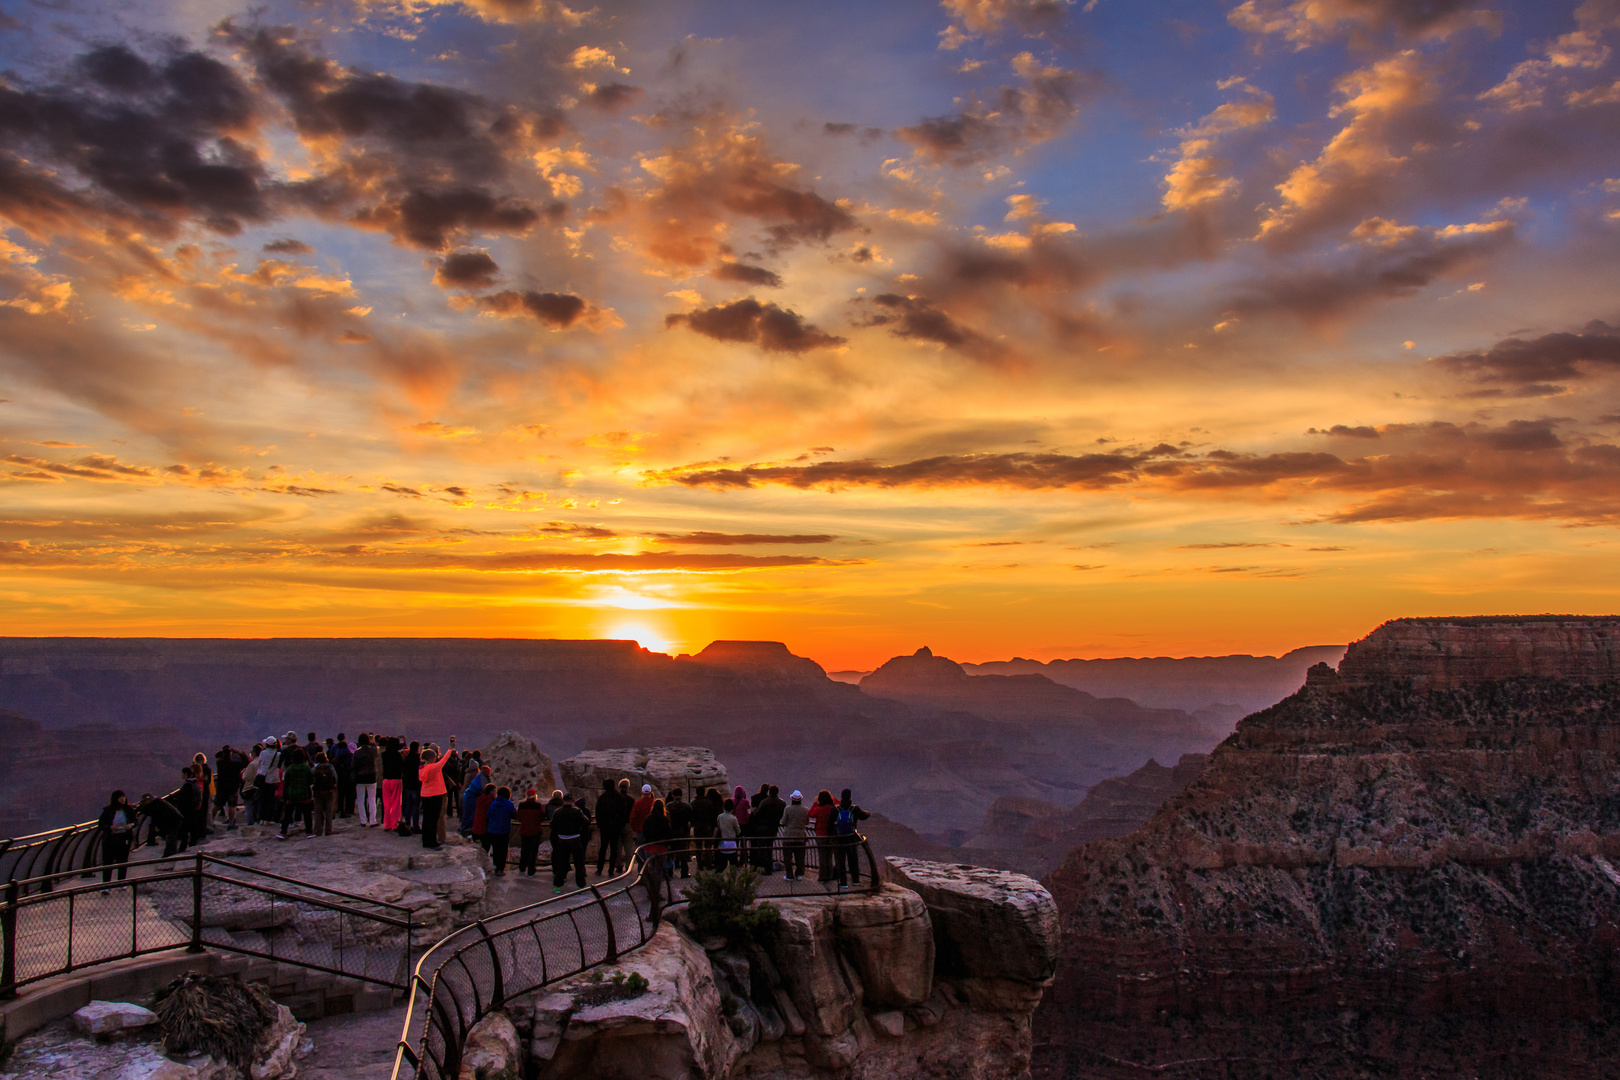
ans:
x=795 y=827
x=639 y=811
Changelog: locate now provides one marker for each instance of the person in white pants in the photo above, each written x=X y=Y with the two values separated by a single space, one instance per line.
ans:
x=367 y=807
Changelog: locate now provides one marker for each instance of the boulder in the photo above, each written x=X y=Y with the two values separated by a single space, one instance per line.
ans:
x=676 y=1030
x=277 y=1047
x=515 y=761
x=111 y=1017
x=664 y=767
x=824 y=989
x=889 y=938
x=988 y=924
x=492 y=1050
x=158 y=1069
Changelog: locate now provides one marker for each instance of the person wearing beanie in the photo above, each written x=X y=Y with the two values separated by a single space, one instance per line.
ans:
x=639 y=811
x=795 y=828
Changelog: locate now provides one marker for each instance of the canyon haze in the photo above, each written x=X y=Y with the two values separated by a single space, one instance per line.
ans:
x=950 y=753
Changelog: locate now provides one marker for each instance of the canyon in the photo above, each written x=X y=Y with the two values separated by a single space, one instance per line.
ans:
x=1405 y=868
x=926 y=744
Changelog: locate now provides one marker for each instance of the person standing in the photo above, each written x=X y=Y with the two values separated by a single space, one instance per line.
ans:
x=768 y=810
x=431 y=777
x=297 y=792
x=366 y=764
x=410 y=812
x=117 y=828
x=229 y=764
x=269 y=779
x=656 y=835
x=821 y=828
x=343 y=762
x=846 y=820
x=498 y=827
x=250 y=785
x=192 y=805
x=531 y=822
x=729 y=830
x=680 y=827
x=639 y=811
x=569 y=831
x=393 y=788
x=480 y=821
x=452 y=782
x=611 y=817
x=795 y=827
x=469 y=797
x=705 y=812
x=324 y=785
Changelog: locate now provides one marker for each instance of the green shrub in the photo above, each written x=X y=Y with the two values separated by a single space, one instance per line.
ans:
x=722 y=903
x=619 y=988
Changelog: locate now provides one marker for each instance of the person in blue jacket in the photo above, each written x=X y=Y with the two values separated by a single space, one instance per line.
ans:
x=499 y=827
x=469 y=799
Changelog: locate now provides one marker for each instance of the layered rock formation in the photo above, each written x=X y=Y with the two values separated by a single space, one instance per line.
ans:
x=1439 y=653
x=515 y=761
x=897 y=984
x=1370 y=878
x=664 y=767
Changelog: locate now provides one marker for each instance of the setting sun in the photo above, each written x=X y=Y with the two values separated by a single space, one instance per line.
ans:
x=643 y=635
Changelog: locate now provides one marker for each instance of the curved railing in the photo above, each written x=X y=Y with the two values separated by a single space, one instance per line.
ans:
x=49 y=926
x=479 y=968
x=40 y=858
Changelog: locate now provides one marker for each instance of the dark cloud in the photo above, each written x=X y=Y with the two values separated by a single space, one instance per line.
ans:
x=581 y=532
x=772 y=328
x=1389 y=262
x=718 y=539
x=466 y=270
x=1526 y=365
x=153 y=144
x=1006 y=117
x=1360 y=432
x=830 y=128
x=557 y=310
x=288 y=246
x=1519 y=469
x=747 y=275
x=614 y=95
x=420 y=161
x=916 y=319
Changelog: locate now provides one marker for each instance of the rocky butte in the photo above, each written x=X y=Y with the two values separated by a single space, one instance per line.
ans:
x=1406 y=868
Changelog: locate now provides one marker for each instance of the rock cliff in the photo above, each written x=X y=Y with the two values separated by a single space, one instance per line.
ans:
x=1440 y=653
x=664 y=767
x=935 y=979
x=1407 y=869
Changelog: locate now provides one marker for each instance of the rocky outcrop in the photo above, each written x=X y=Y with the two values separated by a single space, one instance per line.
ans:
x=515 y=761
x=990 y=924
x=847 y=988
x=1405 y=870
x=664 y=767
x=1443 y=653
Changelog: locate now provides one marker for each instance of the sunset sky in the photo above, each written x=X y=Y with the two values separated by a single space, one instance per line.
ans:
x=1010 y=327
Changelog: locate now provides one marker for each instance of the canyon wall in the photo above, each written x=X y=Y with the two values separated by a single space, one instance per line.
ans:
x=1440 y=653
x=1399 y=870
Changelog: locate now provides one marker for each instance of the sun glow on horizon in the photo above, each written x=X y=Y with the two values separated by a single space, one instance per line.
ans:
x=643 y=634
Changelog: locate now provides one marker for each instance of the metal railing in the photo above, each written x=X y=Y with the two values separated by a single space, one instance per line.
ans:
x=197 y=902
x=479 y=968
x=40 y=858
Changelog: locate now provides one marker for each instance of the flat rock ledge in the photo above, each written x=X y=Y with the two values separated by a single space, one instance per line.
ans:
x=664 y=767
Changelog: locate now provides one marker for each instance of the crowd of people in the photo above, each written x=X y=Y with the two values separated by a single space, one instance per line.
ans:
x=413 y=789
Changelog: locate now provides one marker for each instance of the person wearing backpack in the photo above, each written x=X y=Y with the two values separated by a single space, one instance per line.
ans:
x=342 y=757
x=297 y=791
x=846 y=837
x=325 y=787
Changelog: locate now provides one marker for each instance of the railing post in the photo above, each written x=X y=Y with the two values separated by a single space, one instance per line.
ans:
x=8 y=941
x=607 y=917
x=498 y=998
x=196 y=945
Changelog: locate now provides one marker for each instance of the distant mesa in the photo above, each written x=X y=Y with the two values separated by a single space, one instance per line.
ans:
x=1442 y=653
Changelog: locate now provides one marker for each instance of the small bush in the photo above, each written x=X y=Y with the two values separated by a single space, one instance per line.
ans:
x=619 y=988
x=217 y=1015
x=722 y=903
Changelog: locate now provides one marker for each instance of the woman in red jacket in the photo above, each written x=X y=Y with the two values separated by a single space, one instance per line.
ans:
x=821 y=815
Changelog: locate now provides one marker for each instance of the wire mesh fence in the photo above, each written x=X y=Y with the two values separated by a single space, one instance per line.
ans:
x=477 y=969
x=51 y=927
